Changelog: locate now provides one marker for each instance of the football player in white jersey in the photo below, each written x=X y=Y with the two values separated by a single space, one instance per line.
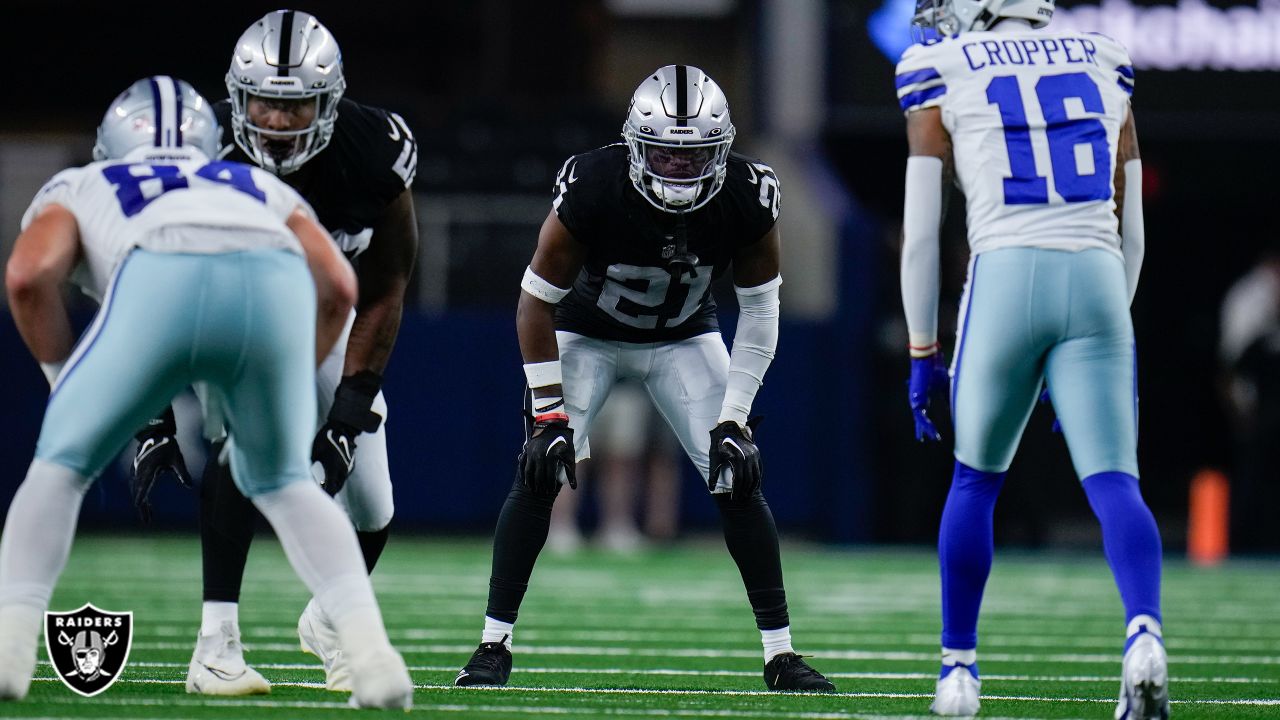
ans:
x=1036 y=128
x=202 y=271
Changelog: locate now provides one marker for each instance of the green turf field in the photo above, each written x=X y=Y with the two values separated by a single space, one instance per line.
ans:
x=669 y=634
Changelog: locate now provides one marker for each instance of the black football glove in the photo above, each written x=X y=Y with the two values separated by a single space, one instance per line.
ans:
x=158 y=454
x=333 y=452
x=732 y=448
x=548 y=450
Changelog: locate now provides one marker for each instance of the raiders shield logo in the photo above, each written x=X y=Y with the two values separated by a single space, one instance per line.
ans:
x=88 y=647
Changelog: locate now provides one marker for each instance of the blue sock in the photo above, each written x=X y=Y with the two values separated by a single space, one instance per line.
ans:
x=966 y=544
x=1130 y=539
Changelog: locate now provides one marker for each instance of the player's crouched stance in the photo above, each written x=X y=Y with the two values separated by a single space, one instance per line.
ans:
x=1038 y=128
x=202 y=270
x=620 y=287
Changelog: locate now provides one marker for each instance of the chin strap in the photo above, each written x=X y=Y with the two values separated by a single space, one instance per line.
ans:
x=683 y=261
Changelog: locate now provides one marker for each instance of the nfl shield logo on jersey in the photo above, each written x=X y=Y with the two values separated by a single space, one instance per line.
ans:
x=88 y=647
x=668 y=252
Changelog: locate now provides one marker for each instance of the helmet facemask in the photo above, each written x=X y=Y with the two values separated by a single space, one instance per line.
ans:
x=282 y=151
x=677 y=175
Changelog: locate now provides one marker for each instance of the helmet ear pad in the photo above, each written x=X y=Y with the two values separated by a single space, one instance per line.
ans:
x=285 y=55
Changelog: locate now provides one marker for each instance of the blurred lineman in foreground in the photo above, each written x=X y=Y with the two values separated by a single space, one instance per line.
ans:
x=1036 y=129
x=620 y=287
x=202 y=271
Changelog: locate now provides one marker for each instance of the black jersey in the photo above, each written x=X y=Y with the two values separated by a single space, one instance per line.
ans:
x=370 y=159
x=625 y=290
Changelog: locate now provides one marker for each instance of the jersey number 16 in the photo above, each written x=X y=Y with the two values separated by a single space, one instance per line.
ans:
x=1064 y=134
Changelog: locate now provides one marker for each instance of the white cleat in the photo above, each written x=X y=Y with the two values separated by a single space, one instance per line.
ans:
x=957 y=693
x=382 y=681
x=319 y=637
x=1144 y=681
x=218 y=667
x=19 y=633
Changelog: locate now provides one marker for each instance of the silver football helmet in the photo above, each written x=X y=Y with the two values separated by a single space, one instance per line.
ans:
x=949 y=17
x=678 y=133
x=287 y=55
x=160 y=112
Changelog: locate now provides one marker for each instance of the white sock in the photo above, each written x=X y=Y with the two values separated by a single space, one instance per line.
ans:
x=38 y=532
x=776 y=642
x=959 y=657
x=497 y=631
x=321 y=545
x=215 y=612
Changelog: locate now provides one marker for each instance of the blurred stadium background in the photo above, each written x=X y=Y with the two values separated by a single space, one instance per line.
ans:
x=500 y=92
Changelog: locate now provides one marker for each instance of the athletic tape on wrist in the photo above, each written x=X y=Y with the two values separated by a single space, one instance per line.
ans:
x=541 y=289
x=542 y=374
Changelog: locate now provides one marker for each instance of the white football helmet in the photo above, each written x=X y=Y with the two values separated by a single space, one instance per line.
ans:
x=678 y=133
x=287 y=55
x=949 y=17
x=159 y=112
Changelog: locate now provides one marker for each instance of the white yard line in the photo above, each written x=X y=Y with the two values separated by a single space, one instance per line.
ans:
x=673 y=672
x=592 y=691
x=589 y=651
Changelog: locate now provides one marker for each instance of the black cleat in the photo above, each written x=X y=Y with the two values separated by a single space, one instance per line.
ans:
x=490 y=664
x=789 y=673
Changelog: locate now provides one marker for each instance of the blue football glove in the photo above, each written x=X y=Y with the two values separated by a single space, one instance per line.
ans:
x=927 y=374
x=1046 y=400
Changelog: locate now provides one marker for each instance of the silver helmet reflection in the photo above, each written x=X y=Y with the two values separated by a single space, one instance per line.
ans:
x=678 y=134
x=944 y=18
x=287 y=56
x=159 y=112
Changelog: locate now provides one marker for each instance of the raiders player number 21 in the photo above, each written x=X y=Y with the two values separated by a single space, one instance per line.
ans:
x=619 y=288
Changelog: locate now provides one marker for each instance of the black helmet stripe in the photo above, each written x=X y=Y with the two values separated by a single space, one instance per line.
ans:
x=682 y=95
x=286 y=43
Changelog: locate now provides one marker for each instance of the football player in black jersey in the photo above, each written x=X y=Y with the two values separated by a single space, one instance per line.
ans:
x=354 y=165
x=620 y=287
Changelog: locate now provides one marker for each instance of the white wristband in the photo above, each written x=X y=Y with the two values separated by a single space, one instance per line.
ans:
x=543 y=374
x=52 y=371
x=541 y=289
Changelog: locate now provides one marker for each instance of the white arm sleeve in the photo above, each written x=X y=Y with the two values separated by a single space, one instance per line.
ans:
x=754 y=344
x=921 y=218
x=1132 y=230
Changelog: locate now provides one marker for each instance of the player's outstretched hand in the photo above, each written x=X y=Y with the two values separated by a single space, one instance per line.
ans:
x=927 y=374
x=548 y=451
x=158 y=454
x=733 y=448
x=1046 y=400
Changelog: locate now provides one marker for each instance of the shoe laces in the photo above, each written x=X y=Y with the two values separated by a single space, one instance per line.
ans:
x=793 y=664
x=489 y=655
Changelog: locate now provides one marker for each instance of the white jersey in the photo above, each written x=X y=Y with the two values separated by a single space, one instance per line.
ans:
x=179 y=202
x=1034 y=118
